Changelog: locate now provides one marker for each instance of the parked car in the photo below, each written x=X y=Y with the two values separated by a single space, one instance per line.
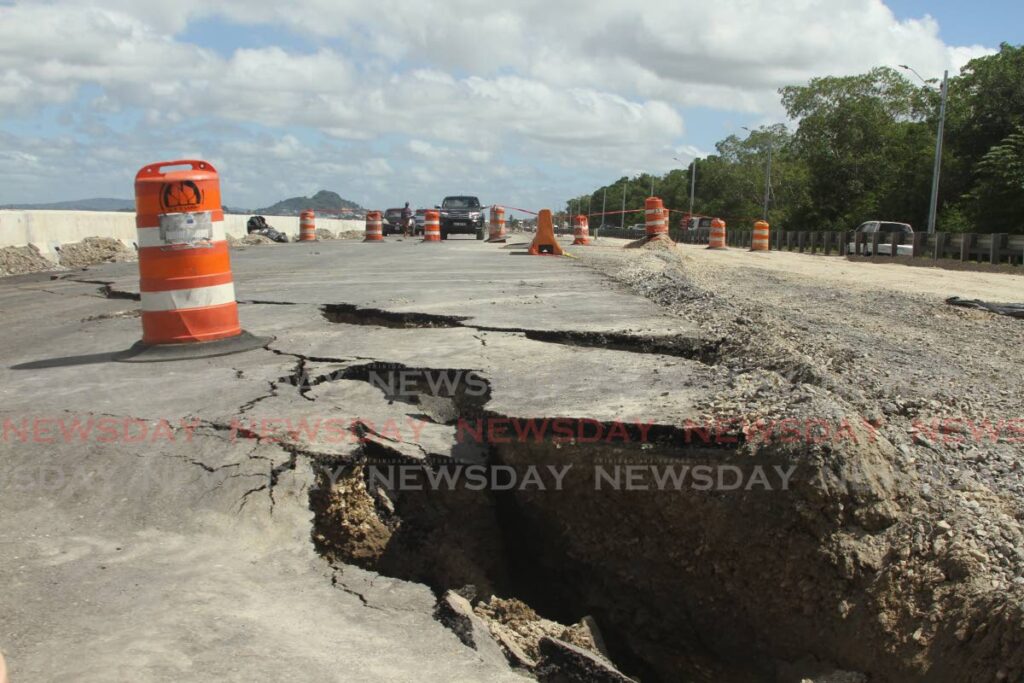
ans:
x=885 y=231
x=638 y=229
x=462 y=215
x=392 y=222
x=421 y=218
x=696 y=222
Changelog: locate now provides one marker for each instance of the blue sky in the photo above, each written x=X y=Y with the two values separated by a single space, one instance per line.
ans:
x=523 y=103
x=965 y=23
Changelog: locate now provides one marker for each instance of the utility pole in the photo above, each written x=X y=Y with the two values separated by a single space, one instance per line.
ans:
x=623 y=219
x=693 y=183
x=652 y=184
x=933 y=205
x=768 y=181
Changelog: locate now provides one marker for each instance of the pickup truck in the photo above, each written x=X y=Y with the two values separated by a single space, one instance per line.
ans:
x=885 y=231
x=462 y=215
x=392 y=222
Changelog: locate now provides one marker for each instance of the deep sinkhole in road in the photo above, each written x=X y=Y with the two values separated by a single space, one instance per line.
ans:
x=736 y=584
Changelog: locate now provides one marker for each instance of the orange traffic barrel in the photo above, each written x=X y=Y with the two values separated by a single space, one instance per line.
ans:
x=544 y=241
x=581 y=229
x=717 y=237
x=656 y=217
x=759 y=241
x=185 y=282
x=496 y=231
x=374 y=227
x=307 y=226
x=432 y=226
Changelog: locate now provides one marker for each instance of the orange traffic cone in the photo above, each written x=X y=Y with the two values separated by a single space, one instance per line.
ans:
x=544 y=241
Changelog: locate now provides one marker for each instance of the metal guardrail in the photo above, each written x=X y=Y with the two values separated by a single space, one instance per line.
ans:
x=983 y=248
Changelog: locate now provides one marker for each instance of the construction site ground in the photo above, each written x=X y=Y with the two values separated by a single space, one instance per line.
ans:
x=216 y=519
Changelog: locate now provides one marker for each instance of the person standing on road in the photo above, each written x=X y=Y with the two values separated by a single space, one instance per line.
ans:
x=407 y=228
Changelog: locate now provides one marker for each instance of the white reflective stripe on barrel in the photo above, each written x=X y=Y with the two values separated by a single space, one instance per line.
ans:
x=198 y=297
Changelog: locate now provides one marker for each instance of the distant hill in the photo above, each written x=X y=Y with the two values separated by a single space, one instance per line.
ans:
x=94 y=204
x=323 y=201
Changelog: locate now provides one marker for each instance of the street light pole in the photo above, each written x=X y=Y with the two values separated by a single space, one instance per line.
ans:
x=767 y=176
x=933 y=205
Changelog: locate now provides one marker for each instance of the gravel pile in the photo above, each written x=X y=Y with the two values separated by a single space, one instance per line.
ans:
x=324 y=234
x=93 y=250
x=22 y=260
x=254 y=239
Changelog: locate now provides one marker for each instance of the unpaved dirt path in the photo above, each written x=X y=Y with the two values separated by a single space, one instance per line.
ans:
x=837 y=272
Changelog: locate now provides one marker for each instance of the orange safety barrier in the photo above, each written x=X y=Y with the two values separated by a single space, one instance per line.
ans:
x=307 y=226
x=187 y=291
x=544 y=241
x=497 y=232
x=759 y=241
x=656 y=217
x=432 y=226
x=581 y=229
x=374 y=227
x=717 y=238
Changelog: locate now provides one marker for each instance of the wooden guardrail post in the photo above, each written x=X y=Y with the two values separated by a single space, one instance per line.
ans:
x=894 y=242
x=801 y=237
x=918 y=245
x=940 y=245
x=874 y=244
x=995 y=250
x=966 y=245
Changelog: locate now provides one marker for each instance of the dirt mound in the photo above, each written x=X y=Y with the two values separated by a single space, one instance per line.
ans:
x=652 y=243
x=21 y=260
x=324 y=234
x=93 y=250
x=350 y=235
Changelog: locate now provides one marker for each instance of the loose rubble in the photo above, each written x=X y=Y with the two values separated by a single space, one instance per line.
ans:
x=94 y=250
x=23 y=260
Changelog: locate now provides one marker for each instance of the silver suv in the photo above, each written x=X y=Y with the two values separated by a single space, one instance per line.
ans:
x=885 y=230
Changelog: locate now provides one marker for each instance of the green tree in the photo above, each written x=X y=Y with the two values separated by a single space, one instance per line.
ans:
x=857 y=136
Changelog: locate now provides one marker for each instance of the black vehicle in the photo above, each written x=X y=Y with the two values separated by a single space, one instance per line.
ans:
x=392 y=222
x=257 y=225
x=462 y=215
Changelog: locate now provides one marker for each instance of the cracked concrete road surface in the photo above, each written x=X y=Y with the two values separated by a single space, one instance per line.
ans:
x=249 y=517
x=145 y=538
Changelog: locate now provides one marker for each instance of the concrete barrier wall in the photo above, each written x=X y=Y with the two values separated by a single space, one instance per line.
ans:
x=50 y=229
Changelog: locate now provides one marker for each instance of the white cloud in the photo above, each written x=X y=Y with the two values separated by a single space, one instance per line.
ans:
x=431 y=93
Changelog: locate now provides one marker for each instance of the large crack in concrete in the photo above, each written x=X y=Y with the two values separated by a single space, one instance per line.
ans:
x=668 y=345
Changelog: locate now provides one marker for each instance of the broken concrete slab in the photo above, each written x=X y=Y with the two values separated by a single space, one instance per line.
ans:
x=563 y=662
x=455 y=612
